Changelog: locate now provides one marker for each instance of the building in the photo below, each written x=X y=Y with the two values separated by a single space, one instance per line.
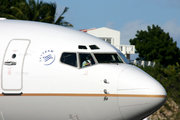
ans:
x=113 y=37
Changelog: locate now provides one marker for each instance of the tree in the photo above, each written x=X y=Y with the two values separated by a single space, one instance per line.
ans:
x=156 y=45
x=33 y=11
x=5 y=6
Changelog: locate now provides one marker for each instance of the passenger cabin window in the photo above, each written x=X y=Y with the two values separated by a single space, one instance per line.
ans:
x=69 y=58
x=108 y=58
x=86 y=59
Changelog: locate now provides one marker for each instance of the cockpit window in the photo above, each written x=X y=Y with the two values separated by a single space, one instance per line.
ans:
x=94 y=47
x=82 y=47
x=69 y=58
x=108 y=58
x=124 y=58
x=86 y=59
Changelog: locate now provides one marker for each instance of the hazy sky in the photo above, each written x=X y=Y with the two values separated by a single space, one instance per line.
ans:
x=126 y=16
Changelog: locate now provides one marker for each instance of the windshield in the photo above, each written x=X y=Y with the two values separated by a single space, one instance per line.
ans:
x=124 y=58
x=86 y=59
x=108 y=58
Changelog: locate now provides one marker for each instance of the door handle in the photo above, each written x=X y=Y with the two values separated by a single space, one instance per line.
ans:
x=10 y=63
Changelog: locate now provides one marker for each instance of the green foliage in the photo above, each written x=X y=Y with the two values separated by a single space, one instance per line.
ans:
x=167 y=106
x=5 y=6
x=178 y=115
x=32 y=10
x=169 y=77
x=156 y=45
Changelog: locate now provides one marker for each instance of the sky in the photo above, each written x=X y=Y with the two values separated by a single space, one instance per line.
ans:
x=126 y=16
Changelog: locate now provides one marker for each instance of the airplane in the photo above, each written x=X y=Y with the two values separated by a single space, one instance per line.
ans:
x=50 y=72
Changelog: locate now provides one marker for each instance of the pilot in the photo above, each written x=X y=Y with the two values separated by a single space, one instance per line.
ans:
x=87 y=62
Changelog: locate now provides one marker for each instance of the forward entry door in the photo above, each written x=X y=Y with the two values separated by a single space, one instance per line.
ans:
x=12 y=68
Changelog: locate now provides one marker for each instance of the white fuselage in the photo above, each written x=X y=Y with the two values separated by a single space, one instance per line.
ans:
x=42 y=77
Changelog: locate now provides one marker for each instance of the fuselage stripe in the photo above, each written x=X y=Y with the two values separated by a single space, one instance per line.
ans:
x=86 y=95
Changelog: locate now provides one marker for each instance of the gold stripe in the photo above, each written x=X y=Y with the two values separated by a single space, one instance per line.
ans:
x=131 y=95
x=87 y=95
x=62 y=94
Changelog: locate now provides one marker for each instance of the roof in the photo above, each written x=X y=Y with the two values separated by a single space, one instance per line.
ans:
x=85 y=30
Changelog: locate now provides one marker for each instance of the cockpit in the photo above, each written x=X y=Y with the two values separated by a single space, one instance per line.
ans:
x=81 y=60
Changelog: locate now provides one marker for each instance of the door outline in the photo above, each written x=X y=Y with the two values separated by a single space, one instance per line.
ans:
x=22 y=64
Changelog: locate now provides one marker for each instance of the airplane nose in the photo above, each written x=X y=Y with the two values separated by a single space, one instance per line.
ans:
x=139 y=95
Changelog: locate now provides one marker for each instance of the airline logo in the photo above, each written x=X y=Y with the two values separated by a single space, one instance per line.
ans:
x=47 y=57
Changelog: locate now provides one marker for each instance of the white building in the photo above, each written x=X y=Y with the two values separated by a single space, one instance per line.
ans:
x=113 y=37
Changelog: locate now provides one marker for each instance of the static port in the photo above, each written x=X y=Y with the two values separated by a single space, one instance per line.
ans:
x=14 y=56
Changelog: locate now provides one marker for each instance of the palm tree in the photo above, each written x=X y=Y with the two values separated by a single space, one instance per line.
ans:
x=36 y=11
x=60 y=20
x=6 y=4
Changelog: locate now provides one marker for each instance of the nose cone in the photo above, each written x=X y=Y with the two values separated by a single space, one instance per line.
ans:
x=139 y=94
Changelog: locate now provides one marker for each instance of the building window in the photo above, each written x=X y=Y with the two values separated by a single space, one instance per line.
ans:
x=109 y=40
x=121 y=48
